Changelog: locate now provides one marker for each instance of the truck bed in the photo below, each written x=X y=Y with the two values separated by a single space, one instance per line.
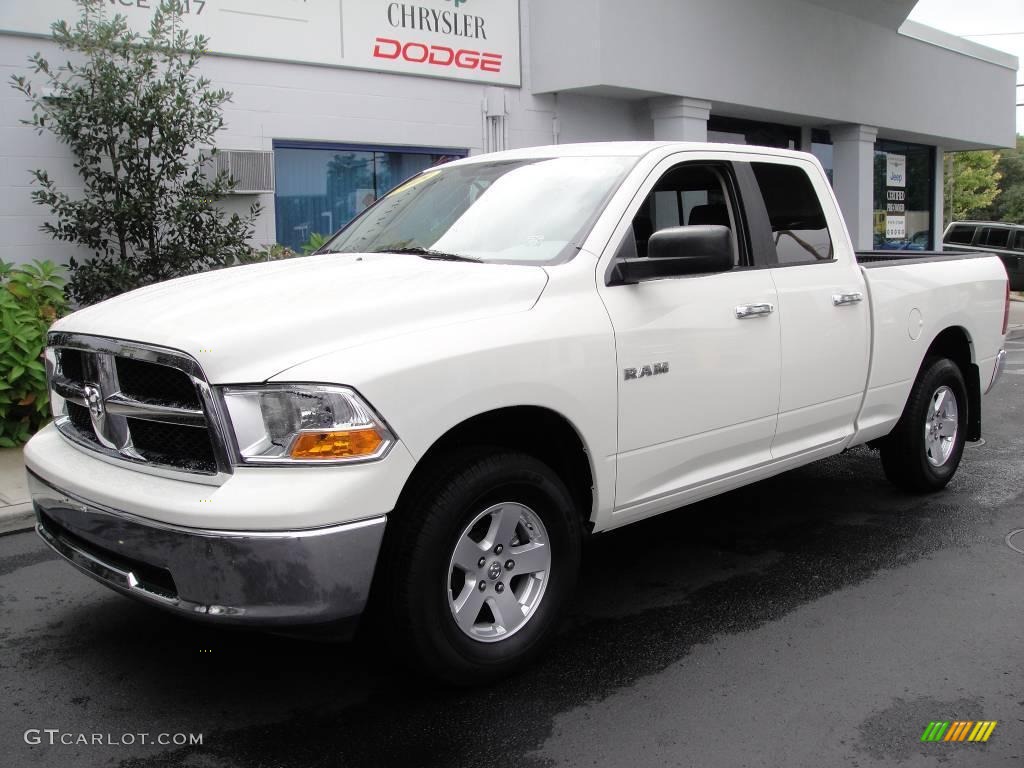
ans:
x=919 y=295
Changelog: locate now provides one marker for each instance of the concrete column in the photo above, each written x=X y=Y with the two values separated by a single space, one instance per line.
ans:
x=939 y=203
x=853 y=170
x=805 y=139
x=680 y=119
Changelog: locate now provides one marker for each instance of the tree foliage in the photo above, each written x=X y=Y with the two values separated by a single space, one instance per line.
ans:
x=140 y=123
x=1009 y=206
x=971 y=184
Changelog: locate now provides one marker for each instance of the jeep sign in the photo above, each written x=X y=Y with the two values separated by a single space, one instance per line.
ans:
x=460 y=39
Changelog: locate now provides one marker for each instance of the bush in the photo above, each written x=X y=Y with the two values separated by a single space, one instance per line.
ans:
x=275 y=252
x=140 y=122
x=31 y=298
x=315 y=243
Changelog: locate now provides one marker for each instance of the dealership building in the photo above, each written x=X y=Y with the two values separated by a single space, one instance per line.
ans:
x=336 y=101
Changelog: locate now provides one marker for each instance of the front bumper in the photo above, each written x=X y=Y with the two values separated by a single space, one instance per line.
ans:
x=276 y=578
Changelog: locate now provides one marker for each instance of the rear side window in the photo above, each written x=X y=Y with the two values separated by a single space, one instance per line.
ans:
x=1019 y=243
x=960 y=235
x=799 y=230
x=996 y=237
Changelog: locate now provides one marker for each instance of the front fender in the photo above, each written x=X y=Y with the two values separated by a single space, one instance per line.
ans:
x=559 y=355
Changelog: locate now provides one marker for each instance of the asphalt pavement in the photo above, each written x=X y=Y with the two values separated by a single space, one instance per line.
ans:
x=821 y=618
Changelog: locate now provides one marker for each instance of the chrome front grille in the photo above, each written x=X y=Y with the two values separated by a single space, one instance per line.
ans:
x=135 y=402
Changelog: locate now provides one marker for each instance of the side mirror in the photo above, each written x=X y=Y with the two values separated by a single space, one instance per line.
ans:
x=694 y=250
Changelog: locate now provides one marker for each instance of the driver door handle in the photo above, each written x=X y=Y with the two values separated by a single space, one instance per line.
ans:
x=746 y=311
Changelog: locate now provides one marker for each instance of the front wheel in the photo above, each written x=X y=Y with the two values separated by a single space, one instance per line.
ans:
x=924 y=450
x=481 y=567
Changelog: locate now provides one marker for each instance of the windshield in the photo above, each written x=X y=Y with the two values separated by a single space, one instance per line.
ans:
x=533 y=211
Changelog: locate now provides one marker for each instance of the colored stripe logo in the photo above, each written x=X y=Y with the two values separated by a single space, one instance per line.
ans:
x=959 y=730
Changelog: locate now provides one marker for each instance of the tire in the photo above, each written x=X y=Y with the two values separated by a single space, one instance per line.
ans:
x=922 y=453
x=491 y=508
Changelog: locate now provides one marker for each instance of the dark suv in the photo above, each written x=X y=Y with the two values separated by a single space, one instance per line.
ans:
x=1005 y=240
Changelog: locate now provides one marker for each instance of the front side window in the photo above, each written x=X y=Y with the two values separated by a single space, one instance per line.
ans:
x=960 y=235
x=686 y=195
x=534 y=211
x=1019 y=243
x=799 y=229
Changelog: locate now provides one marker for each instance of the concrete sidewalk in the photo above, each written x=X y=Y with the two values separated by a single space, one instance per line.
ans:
x=15 y=505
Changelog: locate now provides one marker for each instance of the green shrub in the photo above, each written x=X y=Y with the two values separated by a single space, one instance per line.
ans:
x=274 y=252
x=31 y=298
x=315 y=243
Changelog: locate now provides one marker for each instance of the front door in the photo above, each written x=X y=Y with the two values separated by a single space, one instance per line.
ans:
x=698 y=356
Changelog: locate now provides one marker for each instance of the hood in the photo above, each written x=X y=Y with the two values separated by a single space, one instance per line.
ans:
x=245 y=324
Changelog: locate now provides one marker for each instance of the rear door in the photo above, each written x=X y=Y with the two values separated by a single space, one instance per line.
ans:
x=823 y=308
x=698 y=385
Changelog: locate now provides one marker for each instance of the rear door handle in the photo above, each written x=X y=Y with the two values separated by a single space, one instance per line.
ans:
x=841 y=299
x=745 y=311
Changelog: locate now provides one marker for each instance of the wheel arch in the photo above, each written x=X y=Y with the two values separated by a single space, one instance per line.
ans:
x=538 y=431
x=955 y=343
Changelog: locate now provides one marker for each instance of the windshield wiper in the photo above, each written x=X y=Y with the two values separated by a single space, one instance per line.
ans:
x=427 y=253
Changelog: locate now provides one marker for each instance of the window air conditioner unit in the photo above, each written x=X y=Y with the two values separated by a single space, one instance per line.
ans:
x=252 y=170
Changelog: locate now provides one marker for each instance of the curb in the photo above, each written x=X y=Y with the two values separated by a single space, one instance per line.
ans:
x=15 y=505
x=17 y=518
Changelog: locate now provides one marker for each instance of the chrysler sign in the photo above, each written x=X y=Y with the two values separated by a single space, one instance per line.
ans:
x=474 y=40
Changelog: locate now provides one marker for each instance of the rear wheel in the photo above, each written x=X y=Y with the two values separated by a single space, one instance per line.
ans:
x=481 y=567
x=924 y=450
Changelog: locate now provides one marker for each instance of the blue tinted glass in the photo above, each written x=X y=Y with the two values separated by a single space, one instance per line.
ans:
x=395 y=167
x=320 y=190
x=904 y=196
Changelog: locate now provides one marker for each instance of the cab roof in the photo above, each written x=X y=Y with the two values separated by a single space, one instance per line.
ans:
x=624 y=149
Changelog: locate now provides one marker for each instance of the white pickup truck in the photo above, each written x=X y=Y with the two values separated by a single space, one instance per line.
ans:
x=501 y=356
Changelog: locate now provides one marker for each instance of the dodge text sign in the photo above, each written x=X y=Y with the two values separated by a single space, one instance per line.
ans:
x=462 y=39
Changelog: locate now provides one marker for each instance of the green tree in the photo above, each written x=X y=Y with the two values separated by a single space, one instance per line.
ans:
x=971 y=184
x=140 y=123
x=1009 y=206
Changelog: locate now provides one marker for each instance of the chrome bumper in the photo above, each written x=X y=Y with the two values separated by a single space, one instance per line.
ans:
x=997 y=370
x=268 y=578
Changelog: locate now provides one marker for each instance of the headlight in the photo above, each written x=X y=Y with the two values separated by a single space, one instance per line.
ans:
x=305 y=423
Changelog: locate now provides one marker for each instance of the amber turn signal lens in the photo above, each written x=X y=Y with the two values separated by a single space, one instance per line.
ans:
x=346 y=444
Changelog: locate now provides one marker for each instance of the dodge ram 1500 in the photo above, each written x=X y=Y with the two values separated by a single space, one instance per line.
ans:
x=501 y=356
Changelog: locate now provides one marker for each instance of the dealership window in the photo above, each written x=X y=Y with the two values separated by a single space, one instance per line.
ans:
x=821 y=148
x=321 y=187
x=730 y=130
x=904 y=195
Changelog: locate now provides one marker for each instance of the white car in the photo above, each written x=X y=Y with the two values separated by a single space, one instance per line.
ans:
x=500 y=357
